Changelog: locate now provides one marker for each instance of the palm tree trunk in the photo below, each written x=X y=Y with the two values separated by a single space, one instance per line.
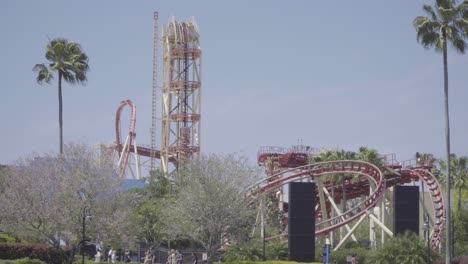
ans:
x=60 y=111
x=448 y=251
x=459 y=198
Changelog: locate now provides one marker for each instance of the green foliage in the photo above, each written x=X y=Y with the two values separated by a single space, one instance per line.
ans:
x=92 y=261
x=266 y=262
x=22 y=261
x=147 y=215
x=65 y=57
x=6 y=238
x=276 y=249
x=3 y=179
x=406 y=248
x=250 y=250
x=13 y=251
x=458 y=174
x=461 y=232
x=447 y=23
x=340 y=255
x=364 y=154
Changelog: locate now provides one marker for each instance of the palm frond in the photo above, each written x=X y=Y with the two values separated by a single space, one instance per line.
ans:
x=55 y=50
x=445 y=4
x=68 y=77
x=420 y=21
x=43 y=73
x=447 y=14
x=462 y=24
x=430 y=12
x=462 y=7
x=458 y=43
x=439 y=45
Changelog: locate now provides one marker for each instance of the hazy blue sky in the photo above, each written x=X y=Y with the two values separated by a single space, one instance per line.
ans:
x=332 y=73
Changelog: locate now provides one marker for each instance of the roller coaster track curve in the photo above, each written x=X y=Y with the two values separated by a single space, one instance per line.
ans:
x=370 y=172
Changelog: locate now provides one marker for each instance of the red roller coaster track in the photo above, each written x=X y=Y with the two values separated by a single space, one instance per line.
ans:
x=289 y=159
x=128 y=147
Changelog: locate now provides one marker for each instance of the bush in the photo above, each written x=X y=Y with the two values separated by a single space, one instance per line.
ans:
x=45 y=253
x=340 y=255
x=407 y=248
x=268 y=262
x=456 y=260
x=6 y=238
x=22 y=261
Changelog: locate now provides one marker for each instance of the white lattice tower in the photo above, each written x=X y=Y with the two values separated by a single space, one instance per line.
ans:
x=181 y=94
x=154 y=90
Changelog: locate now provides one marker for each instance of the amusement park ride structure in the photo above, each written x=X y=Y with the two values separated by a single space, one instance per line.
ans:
x=364 y=189
x=180 y=100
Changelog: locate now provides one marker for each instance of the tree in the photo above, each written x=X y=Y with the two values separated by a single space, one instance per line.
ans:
x=461 y=231
x=209 y=206
x=69 y=62
x=3 y=175
x=448 y=23
x=147 y=214
x=371 y=156
x=459 y=176
x=46 y=196
x=406 y=248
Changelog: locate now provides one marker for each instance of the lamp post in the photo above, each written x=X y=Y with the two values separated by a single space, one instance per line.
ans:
x=426 y=232
x=85 y=216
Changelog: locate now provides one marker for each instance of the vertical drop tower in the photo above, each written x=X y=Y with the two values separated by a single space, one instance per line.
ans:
x=181 y=94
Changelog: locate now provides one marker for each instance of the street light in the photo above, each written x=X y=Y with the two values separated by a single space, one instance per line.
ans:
x=426 y=231
x=86 y=215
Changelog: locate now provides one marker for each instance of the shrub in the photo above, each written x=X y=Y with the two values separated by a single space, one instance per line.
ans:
x=340 y=255
x=268 y=262
x=456 y=260
x=22 y=261
x=407 y=248
x=6 y=238
x=45 y=253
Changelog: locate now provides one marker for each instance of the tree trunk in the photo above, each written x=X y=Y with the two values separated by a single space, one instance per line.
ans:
x=459 y=198
x=448 y=250
x=60 y=111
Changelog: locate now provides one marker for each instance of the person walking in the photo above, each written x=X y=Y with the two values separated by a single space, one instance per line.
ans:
x=113 y=256
x=179 y=257
x=170 y=257
x=194 y=258
x=109 y=255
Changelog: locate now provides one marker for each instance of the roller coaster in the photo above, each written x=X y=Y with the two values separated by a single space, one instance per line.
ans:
x=362 y=189
x=361 y=185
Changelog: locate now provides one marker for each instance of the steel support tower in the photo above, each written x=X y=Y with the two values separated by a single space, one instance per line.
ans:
x=154 y=94
x=181 y=94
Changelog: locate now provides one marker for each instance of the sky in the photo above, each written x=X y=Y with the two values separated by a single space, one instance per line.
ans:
x=329 y=74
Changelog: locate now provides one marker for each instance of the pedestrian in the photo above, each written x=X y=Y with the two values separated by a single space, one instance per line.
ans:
x=179 y=257
x=98 y=256
x=194 y=258
x=113 y=256
x=109 y=255
x=147 y=259
x=170 y=256
x=128 y=259
x=353 y=259
x=219 y=259
x=173 y=257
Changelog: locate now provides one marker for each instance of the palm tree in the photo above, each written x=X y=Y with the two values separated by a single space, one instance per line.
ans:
x=459 y=169
x=448 y=23
x=371 y=156
x=70 y=63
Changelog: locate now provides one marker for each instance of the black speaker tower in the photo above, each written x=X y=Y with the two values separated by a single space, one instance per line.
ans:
x=301 y=223
x=406 y=209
